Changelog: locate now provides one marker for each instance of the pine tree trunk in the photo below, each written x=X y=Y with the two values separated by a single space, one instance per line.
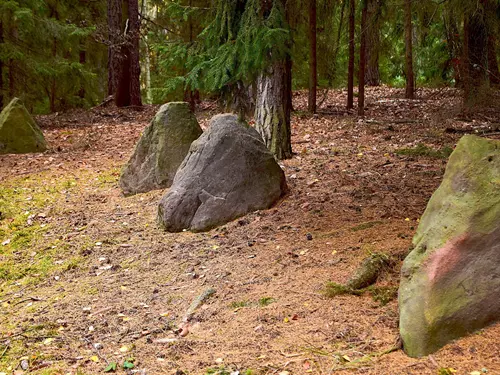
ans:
x=1 y=69
x=494 y=73
x=362 y=62
x=83 y=60
x=477 y=57
x=147 y=64
x=313 y=62
x=272 y=114
x=350 y=77
x=114 y=58
x=410 y=77
x=493 y=28
x=135 y=66
x=128 y=90
x=372 y=75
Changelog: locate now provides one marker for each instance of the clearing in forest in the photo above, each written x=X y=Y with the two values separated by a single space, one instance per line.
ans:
x=88 y=280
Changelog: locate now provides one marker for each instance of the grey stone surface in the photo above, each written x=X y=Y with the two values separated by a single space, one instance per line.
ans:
x=450 y=282
x=161 y=149
x=228 y=173
x=19 y=133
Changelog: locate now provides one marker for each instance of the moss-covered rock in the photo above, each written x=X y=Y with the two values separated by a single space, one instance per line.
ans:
x=161 y=149
x=450 y=283
x=228 y=173
x=19 y=133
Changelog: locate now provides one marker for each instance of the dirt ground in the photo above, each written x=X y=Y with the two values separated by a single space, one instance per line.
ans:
x=100 y=283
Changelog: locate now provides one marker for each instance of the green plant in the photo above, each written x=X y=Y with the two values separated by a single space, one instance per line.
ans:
x=424 y=150
x=265 y=301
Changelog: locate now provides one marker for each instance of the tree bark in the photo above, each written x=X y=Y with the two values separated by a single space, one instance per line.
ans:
x=135 y=66
x=273 y=107
x=126 y=73
x=313 y=62
x=493 y=72
x=1 y=69
x=372 y=75
x=476 y=48
x=362 y=62
x=410 y=77
x=114 y=58
x=350 y=77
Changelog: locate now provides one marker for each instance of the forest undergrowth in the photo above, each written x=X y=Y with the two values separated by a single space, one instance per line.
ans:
x=88 y=282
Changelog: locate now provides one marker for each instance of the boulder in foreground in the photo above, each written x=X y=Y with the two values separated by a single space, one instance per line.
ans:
x=19 y=133
x=228 y=173
x=450 y=283
x=161 y=149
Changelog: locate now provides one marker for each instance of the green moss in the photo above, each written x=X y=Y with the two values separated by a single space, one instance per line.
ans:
x=364 y=226
x=18 y=131
x=266 y=301
x=423 y=150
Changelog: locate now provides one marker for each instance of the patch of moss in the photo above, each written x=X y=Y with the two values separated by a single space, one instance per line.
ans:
x=266 y=301
x=239 y=304
x=334 y=289
x=366 y=225
x=424 y=150
x=383 y=294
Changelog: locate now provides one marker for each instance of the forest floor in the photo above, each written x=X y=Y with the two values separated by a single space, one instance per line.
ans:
x=87 y=279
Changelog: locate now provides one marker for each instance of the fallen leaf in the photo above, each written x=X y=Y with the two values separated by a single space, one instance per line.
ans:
x=94 y=358
x=48 y=341
x=124 y=349
x=128 y=365
x=111 y=367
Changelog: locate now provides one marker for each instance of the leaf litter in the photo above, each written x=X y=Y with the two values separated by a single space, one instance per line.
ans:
x=346 y=172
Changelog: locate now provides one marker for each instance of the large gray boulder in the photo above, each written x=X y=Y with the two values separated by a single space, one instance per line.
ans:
x=228 y=173
x=19 y=133
x=450 y=283
x=161 y=149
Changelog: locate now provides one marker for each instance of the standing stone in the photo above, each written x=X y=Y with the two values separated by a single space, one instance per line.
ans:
x=160 y=150
x=228 y=173
x=450 y=282
x=19 y=133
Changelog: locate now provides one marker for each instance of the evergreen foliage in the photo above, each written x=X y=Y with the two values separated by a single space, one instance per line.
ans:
x=48 y=55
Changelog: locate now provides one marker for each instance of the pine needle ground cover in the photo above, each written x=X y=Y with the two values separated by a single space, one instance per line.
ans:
x=88 y=282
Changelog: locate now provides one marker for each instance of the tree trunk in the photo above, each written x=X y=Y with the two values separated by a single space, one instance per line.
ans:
x=410 y=77
x=114 y=58
x=455 y=49
x=350 y=77
x=272 y=114
x=128 y=89
x=476 y=33
x=1 y=69
x=313 y=62
x=135 y=66
x=83 y=60
x=493 y=71
x=362 y=62
x=372 y=75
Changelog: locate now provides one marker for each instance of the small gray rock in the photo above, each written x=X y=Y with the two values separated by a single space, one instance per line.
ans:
x=228 y=173
x=160 y=150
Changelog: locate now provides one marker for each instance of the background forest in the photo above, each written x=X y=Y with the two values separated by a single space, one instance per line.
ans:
x=61 y=54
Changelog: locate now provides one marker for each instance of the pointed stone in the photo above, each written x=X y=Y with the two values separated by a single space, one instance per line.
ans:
x=450 y=282
x=228 y=173
x=161 y=149
x=19 y=133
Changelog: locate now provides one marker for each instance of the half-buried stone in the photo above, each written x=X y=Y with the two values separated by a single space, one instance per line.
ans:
x=228 y=173
x=450 y=283
x=161 y=149
x=19 y=133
